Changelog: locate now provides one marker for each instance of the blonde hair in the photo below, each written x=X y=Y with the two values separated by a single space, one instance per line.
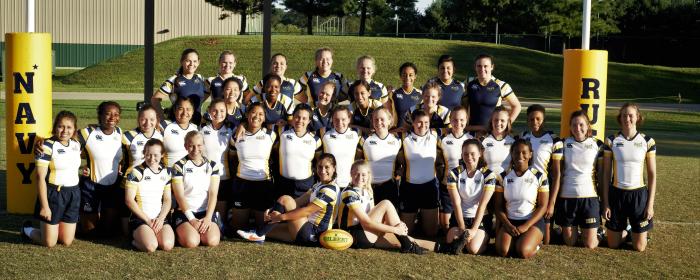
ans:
x=363 y=164
x=366 y=57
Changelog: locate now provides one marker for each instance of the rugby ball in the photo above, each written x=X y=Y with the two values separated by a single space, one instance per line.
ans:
x=336 y=239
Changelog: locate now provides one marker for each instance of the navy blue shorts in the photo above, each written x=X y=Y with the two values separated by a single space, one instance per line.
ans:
x=469 y=222
x=95 y=198
x=445 y=200
x=179 y=217
x=256 y=195
x=582 y=212
x=135 y=223
x=388 y=190
x=359 y=238
x=291 y=187
x=64 y=205
x=628 y=205
x=308 y=235
x=418 y=196
x=539 y=224
x=225 y=190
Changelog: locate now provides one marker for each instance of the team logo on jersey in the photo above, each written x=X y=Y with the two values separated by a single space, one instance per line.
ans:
x=399 y=96
x=196 y=81
x=162 y=178
x=509 y=180
x=372 y=142
x=174 y=132
x=529 y=181
x=139 y=143
x=638 y=144
x=223 y=133
x=414 y=138
x=147 y=178
x=308 y=142
x=98 y=137
x=477 y=181
x=462 y=180
x=619 y=144
x=207 y=132
x=490 y=88
x=454 y=88
x=289 y=137
x=489 y=145
x=392 y=142
x=544 y=141
x=348 y=137
x=449 y=142
x=188 y=170
x=569 y=145
x=261 y=137
x=217 y=84
x=61 y=151
x=181 y=83
x=589 y=146
x=333 y=136
x=315 y=118
x=315 y=80
x=475 y=86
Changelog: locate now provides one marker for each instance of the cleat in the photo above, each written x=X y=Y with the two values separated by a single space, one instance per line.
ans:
x=24 y=236
x=414 y=249
x=251 y=236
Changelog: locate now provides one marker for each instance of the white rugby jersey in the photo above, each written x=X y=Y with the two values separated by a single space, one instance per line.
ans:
x=420 y=153
x=195 y=180
x=470 y=189
x=578 y=164
x=520 y=192
x=497 y=152
x=296 y=153
x=381 y=155
x=343 y=147
x=326 y=197
x=253 y=151
x=104 y=153
x=353 y=198
x=63 y=162
x=216 y=142
x=150 y=186
x=542 y=148
x=452 y=149
x=629 y=158
x=134 y=141
x=174 y=141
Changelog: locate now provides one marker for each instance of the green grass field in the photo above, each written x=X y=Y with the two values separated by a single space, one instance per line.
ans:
x=533 y=74
x=671 y=253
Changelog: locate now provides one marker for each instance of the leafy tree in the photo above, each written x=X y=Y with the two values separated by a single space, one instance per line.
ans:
x=242 y=7
x=311 y=8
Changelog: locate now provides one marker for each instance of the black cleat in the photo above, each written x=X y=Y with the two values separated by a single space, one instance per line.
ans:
x=25 y=237
x=414 y=249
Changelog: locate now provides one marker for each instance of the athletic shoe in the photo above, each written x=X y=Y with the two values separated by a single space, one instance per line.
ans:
x=601 y=234
x=219 y=222
x=251 y=236
x=24 y=236
x=414 y=249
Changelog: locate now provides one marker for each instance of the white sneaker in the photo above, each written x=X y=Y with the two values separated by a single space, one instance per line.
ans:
x=250 y=236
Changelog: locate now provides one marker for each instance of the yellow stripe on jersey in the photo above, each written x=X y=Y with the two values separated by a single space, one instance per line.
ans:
x=52 y=172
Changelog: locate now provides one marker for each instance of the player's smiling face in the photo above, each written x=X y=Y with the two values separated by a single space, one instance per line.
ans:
x=365 y=70
x=227 y=64
x=325 y=95
x=278 y=66
x=301 y=120
x=579 y=128
x=421 y=125
x=431 y=97
x=325 y=170
x=183 y=113
x=218 y=112
x=195 y=147
x=535 y=121
x=362 y=96
x=324 y=61
x=483 y=68
x=360 y=176
x=471 y=155
x=256 y=117
x=521 y=157
x=341 y=120
x=152 y=155
x=190 y=63
x=272 y=88
x=446 y=70
x=231 y=92
x=147 y=121
x=381 y=121
x=408 y=77
x=458 y=120
x=629 y=117
x=110 y=118
x=499 y=122
x=65 y=129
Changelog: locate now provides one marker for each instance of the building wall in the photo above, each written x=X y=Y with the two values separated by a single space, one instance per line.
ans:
x=85 y=32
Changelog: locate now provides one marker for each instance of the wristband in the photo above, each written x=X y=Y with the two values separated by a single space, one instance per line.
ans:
x=189 y=215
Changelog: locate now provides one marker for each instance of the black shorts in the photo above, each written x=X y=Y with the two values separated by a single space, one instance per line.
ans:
x=469 y=222
x=388 y=190
x=418 y=196
x=95 y=198
x=179 y=217
x=64 y=204
x=359 y=238
x=291 y=187
x=308 y=235
x=539 y=224
x=256 y=195
x=135 y=223
x=628 y=205
x=445 y=200
x=225 y=190
x=582 y=212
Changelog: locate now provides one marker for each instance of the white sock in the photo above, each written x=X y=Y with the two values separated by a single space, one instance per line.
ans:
x=28 y=231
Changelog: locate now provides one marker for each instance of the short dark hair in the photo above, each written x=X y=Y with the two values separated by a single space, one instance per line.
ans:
x=408 y=65
x=445 y=58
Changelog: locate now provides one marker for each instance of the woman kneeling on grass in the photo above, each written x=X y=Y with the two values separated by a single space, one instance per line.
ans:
x=148 y=198
x=58 y=200
x=379 y=225
x=521 y=200
x=308 y=216
x=195 y=181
